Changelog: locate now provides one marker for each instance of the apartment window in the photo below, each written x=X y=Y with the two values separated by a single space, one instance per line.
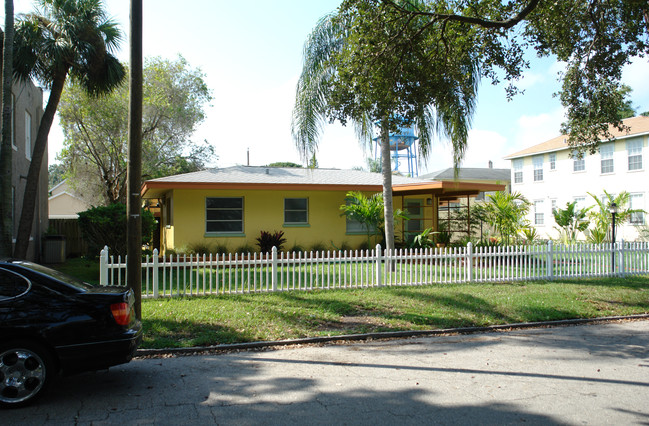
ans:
x=554 y=205
x=538 y=168
x=224 y=214
x=28 y=135
x=580 y=203
x=578 y=165
x=518 y=171
x=538 y=212
x=634 y=153
x=606 y=152
x=296 y=211
x=636 y=202
x=552 y=159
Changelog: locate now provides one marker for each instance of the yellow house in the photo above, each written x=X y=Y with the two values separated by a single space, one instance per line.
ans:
x=231 y=206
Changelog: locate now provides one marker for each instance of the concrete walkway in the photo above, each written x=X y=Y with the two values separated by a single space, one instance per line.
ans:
x=592 y=374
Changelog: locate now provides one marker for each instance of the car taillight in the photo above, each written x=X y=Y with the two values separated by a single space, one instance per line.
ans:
x=121 y=313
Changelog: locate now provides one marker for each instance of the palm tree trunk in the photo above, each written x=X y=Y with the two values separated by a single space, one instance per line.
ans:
x=6 y=151
x=31 y=187
x=386 y=172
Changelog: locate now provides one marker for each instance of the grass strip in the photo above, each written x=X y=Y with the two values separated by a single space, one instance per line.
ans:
x=211 y=320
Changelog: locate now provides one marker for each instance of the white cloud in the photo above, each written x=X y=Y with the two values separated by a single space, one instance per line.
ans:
x=535 y=129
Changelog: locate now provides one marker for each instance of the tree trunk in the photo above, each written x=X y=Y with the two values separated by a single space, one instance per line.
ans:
x=31 y=187
x=386 y=172
x=134 y=174
x=6 y=150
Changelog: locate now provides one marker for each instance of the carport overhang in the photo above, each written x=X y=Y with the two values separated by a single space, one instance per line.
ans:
x=446 y=189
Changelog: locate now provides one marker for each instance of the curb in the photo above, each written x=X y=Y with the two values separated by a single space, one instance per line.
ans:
x=383 y=335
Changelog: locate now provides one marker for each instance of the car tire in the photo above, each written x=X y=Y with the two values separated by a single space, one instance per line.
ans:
x=26 y=369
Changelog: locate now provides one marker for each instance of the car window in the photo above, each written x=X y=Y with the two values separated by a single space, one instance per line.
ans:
x=57 y=275
x=12 y=284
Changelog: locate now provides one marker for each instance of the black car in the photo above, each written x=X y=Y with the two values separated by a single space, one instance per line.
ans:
x=52 y=323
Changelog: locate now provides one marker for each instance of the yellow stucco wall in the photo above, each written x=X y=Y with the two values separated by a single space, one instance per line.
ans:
x=263 y=210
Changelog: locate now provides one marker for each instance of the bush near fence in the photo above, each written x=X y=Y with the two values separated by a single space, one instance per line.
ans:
x=235 y=274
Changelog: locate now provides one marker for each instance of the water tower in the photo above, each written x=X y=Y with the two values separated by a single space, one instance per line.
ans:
x=403 y=150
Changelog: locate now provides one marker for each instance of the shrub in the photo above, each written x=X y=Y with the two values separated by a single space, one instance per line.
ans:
x=296 y=248
x=244 y=249
x=318 y=246
x=106 y=226
x=267 y=240
x=200 y=248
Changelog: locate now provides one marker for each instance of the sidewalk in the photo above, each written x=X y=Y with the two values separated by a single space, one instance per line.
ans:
x=594 y=374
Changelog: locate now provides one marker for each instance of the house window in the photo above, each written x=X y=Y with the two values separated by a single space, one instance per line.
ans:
x=634 y=152
x=580 y=203
x=552 y=159
x=538 y=212
x=354 y=226
x=636 y=203
x=296 y=211
x=224 y=214
x=554 y=205
x=606 y=152
x=538 y=168
x=518 y=171
x=28 y=135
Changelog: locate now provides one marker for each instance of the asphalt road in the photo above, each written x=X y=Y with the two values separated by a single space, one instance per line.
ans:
x=590 y=374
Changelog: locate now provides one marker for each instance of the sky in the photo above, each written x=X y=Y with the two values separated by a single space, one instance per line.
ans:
x=251 y=54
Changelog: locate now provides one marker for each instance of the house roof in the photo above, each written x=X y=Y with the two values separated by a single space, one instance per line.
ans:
x=638 y=126
x=271 y=178
x=255 y=177
x=468 y=173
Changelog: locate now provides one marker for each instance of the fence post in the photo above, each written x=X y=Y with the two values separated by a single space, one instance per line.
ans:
x=550 y=262
x=155 y=274
x=620 y=258
x=379 y=265
x=103 y=266
x=469 y=256
x=273 y=272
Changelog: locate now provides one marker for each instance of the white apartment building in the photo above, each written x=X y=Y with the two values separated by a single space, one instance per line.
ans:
x=549 y=177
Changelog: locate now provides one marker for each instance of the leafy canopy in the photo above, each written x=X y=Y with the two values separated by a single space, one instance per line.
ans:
x=594 y=38
x=96 y=129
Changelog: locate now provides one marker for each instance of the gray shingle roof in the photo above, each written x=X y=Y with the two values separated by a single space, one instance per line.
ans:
x=470 y=174
x=272 y=175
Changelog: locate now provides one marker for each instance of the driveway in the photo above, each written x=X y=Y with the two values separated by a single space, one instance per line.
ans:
x=591 y=374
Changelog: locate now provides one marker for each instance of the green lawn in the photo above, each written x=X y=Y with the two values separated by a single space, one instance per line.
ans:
x=196 y=321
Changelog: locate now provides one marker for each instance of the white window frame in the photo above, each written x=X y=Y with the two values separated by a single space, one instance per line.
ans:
x=578 y=165
x=537 y=160
x=607 y=164
x=580 y=202
x=539 y=219
x=636 y=202
x=518 y=170
x=552 y=159
x=634 y=154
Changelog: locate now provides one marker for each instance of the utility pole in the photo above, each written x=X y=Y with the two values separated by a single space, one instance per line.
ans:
x=6 y=150
x=134 y=181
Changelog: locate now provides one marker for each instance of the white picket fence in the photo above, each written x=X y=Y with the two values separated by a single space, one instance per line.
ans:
x=184 y=275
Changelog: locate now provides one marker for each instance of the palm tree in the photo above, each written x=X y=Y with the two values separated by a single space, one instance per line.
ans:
x=600 y=216
x=446 y=110
x=64 y=37
x=506 y=213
